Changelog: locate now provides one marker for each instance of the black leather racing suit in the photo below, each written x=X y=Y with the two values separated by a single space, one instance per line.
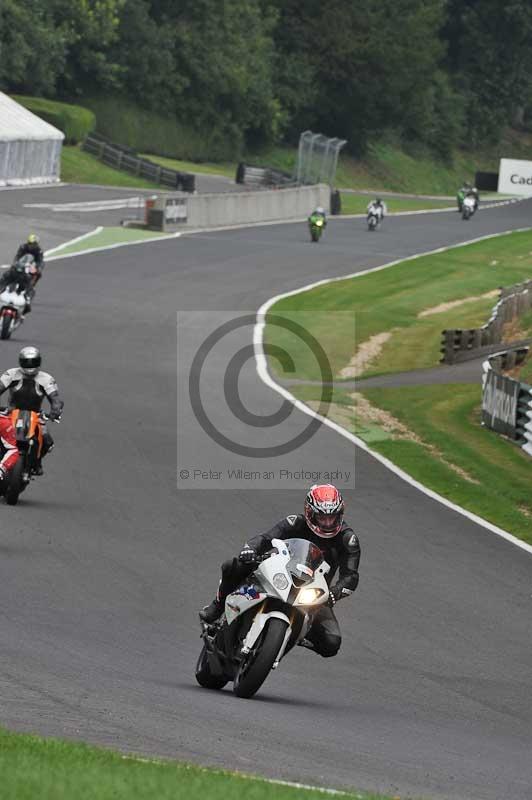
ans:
x=342 y=553
x=32 y=250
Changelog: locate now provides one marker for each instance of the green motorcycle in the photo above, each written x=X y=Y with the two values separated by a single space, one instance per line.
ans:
x=316 y=225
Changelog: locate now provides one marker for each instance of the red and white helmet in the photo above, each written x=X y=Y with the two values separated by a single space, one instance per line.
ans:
x=324 y=510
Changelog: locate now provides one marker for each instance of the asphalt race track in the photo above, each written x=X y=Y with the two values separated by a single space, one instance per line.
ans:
x=104 y=564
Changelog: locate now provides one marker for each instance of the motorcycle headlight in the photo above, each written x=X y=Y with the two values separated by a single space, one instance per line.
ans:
x=319 y=223
x=308 y=596
x=280 y=581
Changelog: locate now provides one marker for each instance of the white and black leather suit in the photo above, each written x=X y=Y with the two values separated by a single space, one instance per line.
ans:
x=342 y=553
x=28 y=393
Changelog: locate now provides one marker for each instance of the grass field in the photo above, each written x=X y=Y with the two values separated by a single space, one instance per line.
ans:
x=50 y=769
x=434 y=434
x=357 y=204
x=392 y=299
x=80 y=167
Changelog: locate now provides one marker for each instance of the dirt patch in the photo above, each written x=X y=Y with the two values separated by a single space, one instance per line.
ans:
x=366 y=353
x=455 y=303
x=365 y=412
x=525 y=510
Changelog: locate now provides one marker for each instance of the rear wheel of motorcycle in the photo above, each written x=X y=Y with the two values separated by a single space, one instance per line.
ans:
x=5 y=330
x=204 y=675
x=15 y=483
x=255 y=669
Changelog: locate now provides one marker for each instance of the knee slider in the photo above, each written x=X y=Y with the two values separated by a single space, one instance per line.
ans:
x=329 y=646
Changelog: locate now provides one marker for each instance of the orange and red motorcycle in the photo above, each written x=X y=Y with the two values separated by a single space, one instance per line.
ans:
x=28 y=427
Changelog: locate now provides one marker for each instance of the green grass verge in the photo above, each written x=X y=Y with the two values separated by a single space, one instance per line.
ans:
x=80 y=167
x=357 y=204
x=51 y=769
x=392 y=300
x=203 y=168
x=442 y=445
x=107 y=237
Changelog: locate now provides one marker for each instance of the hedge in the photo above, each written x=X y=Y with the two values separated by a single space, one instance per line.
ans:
x=75 y=122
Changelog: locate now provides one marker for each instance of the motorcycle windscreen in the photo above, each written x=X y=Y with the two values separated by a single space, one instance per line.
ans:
x=305 y=558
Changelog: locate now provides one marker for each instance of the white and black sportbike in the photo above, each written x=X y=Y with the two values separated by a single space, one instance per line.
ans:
x=265 y=618
x=469 y=206
x=373 y=218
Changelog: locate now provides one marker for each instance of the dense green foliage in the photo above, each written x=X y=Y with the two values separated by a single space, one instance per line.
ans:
x=75 y=122
x=247 y=73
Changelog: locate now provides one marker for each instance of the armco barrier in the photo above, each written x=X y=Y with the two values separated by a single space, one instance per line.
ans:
x=124 y=159
x=507 y=403
x=171 y=212
x=459 y=344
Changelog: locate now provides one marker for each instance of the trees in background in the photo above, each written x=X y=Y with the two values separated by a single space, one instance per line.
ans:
x=434 y=71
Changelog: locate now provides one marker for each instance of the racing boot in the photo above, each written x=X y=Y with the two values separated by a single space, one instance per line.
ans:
x=211 y=613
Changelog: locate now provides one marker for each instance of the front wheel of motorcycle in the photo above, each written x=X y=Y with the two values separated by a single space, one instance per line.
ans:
x=15 y=483
x=5 y=330
x=255 y=668
x=204 y=675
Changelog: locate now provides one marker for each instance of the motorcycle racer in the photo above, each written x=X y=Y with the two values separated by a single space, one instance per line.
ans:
x=32 y=247
x=322 y=524
x=319 y=212
x=377 y=207
x=28 y=386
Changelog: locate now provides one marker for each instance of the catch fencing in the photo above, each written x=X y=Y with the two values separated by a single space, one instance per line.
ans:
x=123 y=158
x=506 y=402
x=170 y=212
x=459 y=344
x=317 y=158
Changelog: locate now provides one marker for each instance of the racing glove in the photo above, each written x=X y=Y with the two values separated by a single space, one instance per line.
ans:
x=247 y=555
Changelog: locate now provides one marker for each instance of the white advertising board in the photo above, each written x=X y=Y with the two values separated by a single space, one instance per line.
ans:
x=515 y=177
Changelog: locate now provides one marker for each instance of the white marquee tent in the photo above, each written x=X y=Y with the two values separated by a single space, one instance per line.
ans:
x=30 y=148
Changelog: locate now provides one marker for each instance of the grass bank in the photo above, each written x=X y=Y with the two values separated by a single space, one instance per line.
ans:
x=80 y=167
x=434 y=434
x=345 y=315
x=389 y=166
x=357 y=204
x=51 y=769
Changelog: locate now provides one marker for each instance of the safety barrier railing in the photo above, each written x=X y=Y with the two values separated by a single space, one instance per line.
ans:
x=122 y=158
x=507 y=402
x=461 y=343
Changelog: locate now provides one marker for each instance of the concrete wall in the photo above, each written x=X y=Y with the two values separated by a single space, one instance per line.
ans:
x=213 y=210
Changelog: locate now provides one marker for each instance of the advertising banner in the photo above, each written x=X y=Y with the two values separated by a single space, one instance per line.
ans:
x=515 y=177
x=499 y=404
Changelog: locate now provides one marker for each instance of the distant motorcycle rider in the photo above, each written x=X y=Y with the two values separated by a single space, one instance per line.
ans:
x=323 y=525
x=8 y=450
x=467 y=191
x=22 y=276
x=31 y=247
x=28 y=386
x=377 y=207
x=319 y=212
